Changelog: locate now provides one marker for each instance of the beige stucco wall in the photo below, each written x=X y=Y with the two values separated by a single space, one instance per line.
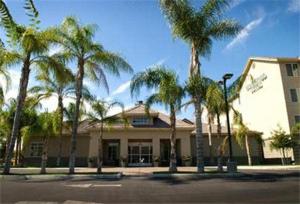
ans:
x=237 y=150
x=153 y=134
x=83 y=143
x=267 y=108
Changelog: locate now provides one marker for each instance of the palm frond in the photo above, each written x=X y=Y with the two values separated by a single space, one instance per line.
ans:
x=111 y=62
x=13 y=31
x=33 y=13
x=95 y=73
x=214 y=8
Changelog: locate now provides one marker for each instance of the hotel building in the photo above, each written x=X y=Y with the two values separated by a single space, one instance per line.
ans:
x=269 y=96
x=145 y=141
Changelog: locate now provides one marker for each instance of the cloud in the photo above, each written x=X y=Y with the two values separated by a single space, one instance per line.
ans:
x=244 y=33
x=294 y=6
x=12 y=92
x=235 y=3
x=123 y=87
x=55 y=49
x=116 y=109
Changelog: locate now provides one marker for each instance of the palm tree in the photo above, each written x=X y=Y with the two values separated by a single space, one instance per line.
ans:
x=46 y=125
x=30 y=47
x=216 y=107
x=214 y=103
x=92 y=60
x=198 y=28
x=242 y=134
x=99 y=113
x=169 y=93
x=61 y=88
x=69 y=113
x=3 y=73
x=28 y=118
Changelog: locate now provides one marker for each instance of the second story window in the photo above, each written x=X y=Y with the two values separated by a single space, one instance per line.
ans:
x=140 y=121
x=294 y=95
x=292 y=69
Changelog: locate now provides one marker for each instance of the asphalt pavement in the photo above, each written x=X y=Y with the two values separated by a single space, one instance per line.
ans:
x=256 y=187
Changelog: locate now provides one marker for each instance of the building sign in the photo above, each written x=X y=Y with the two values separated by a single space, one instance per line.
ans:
x=256 y=83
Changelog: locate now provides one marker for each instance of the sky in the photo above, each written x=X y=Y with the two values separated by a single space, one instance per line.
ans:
x=139 y=32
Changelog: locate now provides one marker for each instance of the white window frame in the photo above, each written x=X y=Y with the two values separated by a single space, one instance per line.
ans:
x=32 y=149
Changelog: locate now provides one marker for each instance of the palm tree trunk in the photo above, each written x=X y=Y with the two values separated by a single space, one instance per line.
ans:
x=220 y=150
x=199 y=137
x=100 y=150
x=44 y=156
x=61 y=118
x=20 y=103
x=79 y=80
x=195 y=72
x=173 y=161
x=248 y=150
x=17 y=150
x=211 y=159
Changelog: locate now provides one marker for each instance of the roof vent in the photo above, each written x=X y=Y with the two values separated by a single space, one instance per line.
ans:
x=140 y=102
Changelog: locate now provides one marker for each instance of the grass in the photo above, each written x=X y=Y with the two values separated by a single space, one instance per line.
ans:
x=189 y=172
x=63 y=174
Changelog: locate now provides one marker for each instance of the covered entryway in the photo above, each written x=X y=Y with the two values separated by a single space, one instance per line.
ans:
x=165 y=151
x=140 y=153
x=111 y=152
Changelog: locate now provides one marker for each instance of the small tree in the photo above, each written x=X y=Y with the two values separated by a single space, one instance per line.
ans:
x=169 y=93
x=100 y=114
x=281 y=141
x=47 y=126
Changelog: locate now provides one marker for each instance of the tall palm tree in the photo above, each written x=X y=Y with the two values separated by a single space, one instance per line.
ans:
x=29 y=47
x=61 y=88
x=3 y=73
x=100 y=110
x=198 y=28
x=169 y=93
x=92 y=61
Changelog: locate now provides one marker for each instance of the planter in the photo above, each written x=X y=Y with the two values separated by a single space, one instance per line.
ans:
x=187 y=163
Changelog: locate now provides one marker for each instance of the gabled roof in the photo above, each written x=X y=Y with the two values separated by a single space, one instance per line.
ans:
x=138 y=110
x=160 y=120
x=263 y=59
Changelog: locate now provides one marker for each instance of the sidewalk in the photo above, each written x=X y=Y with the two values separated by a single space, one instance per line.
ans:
x=130 y=171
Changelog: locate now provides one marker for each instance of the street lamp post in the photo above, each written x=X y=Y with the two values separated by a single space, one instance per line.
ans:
x=231 y=165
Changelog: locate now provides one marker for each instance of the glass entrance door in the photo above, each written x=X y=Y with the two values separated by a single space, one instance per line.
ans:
x=140 y=154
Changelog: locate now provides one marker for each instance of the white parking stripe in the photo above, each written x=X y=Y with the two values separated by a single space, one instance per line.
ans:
x=80 y=185
x=107 y=185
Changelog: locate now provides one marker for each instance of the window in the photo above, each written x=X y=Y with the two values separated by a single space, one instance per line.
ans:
x=292 y=70
x=113 y=151
x=141 y=121
x=36 y=149
x=289 y=69
x=295 y=94
x=297 y=118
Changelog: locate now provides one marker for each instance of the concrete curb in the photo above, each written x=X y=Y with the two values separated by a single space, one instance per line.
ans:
x=48 y=177
x=201 y=175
